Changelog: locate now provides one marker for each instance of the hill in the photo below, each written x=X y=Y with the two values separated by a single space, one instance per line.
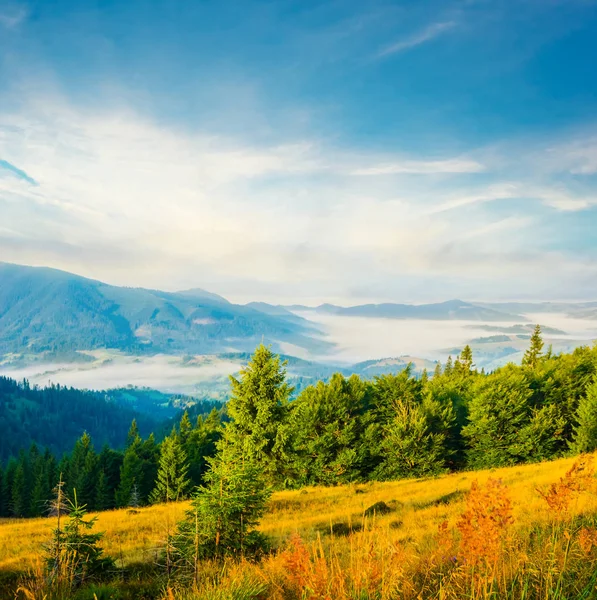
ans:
x=55 y=416
x=417 y=541
x=45 y=310
x=451 y=310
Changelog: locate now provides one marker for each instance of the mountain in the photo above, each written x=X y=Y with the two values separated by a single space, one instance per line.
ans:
x=450 y=310
x=579 y=310
x=46 y=310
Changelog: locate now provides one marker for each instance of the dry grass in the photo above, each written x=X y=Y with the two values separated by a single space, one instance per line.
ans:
x=439 y=540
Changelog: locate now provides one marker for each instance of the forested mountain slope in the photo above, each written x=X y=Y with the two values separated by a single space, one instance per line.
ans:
x=45 y=310
x=54 y=417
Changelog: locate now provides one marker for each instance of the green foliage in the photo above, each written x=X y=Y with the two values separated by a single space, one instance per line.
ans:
x=415 y=442
x=172 y=482
x=328 y=426
x=505 y=425
x=258 y=410
x=56 y=416
x=226 y=510
x=73 y=553
x=585 y=432
x=533 y=354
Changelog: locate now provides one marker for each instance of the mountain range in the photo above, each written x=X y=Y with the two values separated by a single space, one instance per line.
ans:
x=47 y=311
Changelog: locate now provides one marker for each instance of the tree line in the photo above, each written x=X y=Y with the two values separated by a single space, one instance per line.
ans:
x=347 y=429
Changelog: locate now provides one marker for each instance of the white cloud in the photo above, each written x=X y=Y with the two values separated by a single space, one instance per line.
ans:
x=123 y=199
x=429 y=33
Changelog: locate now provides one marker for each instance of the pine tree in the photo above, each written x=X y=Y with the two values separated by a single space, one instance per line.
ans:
x=328 y=422
x=201 y=445
x=131 y=472
x=76 y=548
x=258 y=409
x=103 y=497
x=585 y=432
x=82 y=470
x=133 y=434
x=416 y=442
x=19 y=494
x=226 y=510
x=185 y=428
x=533 y=354
x=172 y=482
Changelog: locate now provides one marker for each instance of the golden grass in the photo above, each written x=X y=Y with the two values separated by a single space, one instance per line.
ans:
x=421 y=506
x=520 y=533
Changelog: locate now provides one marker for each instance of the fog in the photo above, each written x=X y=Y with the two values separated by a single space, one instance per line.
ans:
x=356 y=339
x=165 y=373
x=363 y=338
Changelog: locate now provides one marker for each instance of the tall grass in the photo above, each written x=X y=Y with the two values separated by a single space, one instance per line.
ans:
x=522 y=533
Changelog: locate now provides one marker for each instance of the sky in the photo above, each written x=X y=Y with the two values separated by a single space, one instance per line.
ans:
x=301 y=151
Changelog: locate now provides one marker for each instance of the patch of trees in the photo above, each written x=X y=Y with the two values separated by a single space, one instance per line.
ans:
x=55 y=416
x=345 y=430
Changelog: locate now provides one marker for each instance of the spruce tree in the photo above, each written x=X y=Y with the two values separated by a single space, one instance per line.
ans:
x=226 y=510
x=74 y=548
x=103 y=497
x=585 y=432
x=20 y=489
x=172 y=481
x=416 y=442
x=533 y=354
x=201 y=445
x=131 y=472
x=258 y=410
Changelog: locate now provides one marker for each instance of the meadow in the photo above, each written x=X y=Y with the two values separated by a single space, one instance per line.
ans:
x=521 y=532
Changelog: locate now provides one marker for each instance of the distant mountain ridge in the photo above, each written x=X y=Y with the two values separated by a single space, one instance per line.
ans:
x=46 y=310
x=449 y=310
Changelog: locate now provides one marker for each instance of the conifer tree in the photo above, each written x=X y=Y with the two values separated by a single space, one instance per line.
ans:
x=201 y=445
x=82 y=470
x=185 y=428
x=131 y=472
x=2 y=493
x=226 y=510
x=533 y=354
x=258 y=410
x=76 y=548
x=103 y=497
x=172 y=481
x=416 y=442
x=133 y=434
x=19 y=495
x=585 y=432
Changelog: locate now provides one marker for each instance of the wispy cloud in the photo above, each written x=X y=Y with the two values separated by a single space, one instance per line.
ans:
x=422 y=167
x=12 y=17
x=429 y=33
x=190 y=208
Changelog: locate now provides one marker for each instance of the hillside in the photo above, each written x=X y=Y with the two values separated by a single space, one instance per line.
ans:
x=54 y=417
x=45 y=310
x=343 y=547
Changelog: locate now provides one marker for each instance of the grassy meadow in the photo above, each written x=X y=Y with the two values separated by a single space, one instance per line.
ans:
x=523 y=532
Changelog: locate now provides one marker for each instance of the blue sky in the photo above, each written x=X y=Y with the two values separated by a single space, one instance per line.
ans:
x=304 y=151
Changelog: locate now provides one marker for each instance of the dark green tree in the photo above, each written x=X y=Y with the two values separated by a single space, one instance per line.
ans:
x=172 y=483
x=258 y=410
x=226 y=510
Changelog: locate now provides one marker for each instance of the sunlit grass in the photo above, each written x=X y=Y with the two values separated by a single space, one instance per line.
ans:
x=405 y=549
